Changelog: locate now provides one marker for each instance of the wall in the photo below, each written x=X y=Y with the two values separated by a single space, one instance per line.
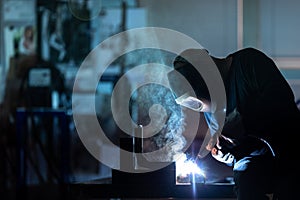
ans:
x=213 y=23
x=270 y=25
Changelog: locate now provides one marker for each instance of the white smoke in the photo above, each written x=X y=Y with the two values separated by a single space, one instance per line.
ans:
x=170 y=138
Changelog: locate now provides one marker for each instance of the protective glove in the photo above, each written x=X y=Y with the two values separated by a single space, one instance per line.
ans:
x=227 y=158
x=222 y=151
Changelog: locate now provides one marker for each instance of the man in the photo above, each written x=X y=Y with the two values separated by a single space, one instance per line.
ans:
x=261 y=119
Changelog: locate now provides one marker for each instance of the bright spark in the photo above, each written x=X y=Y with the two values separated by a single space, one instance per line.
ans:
x=185 y=167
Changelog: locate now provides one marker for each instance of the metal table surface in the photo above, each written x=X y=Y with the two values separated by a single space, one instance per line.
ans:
x=105 y=189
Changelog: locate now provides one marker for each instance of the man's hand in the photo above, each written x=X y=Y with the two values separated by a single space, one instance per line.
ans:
x=227 y=158
x=221 y=149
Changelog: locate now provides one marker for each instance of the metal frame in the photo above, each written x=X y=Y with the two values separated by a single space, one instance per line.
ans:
x=21 y=116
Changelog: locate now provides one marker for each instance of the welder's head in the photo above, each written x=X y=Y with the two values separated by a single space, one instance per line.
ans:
x=186 y=73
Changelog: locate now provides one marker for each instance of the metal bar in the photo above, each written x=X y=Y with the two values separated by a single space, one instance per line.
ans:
x=240 y=24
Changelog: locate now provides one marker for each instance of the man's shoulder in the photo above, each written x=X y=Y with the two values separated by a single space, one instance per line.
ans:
x=249 y=55
x=248 y=51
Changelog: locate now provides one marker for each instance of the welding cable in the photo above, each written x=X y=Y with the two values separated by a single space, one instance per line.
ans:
x=266 y=143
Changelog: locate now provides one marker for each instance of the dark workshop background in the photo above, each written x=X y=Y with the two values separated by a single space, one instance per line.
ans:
x=41 y=154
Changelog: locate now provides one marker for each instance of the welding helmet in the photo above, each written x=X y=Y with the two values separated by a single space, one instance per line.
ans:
x=186 y=83
x=197 y=97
